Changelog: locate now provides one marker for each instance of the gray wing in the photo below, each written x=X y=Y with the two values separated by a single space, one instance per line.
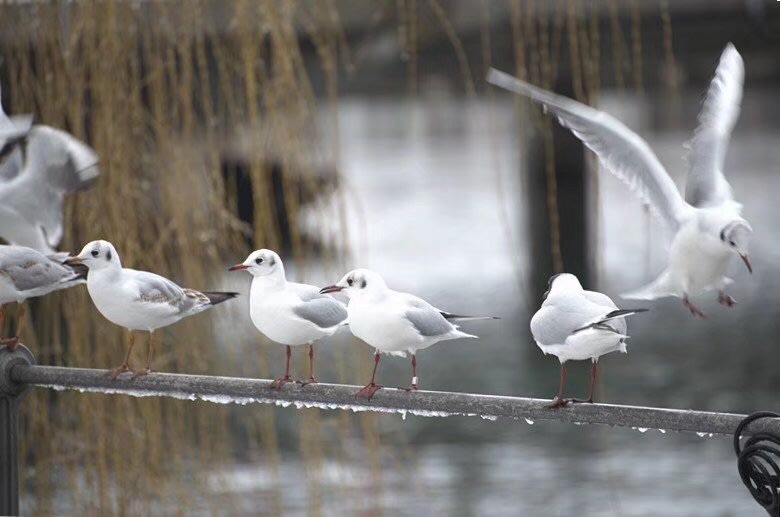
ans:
x=553 y=323
x=427 y=319
x=30 y=270
x=323 y=311
x=706 y=185
x=624 y=153
x=154 y=288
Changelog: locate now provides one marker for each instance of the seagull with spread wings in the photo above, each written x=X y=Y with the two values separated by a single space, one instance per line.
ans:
x=708 y=225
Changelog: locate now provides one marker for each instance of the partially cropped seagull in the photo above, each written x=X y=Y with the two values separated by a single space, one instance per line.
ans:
x=393 y=322
x=138 y=300
x=575 y=324
x=31 y=198
x=26 y=273
x=12 y=131
x=287 y=312
x=708 y=226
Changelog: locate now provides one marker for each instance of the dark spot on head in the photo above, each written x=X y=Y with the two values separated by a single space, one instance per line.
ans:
x=108 y=256
x=723 y=235
x=552 y=278
x=363 y=284
x=273 y=261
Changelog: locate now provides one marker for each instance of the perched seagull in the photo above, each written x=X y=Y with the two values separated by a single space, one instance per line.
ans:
x=575 y=324
x=138 y=300
x=286 y=312
x=26 y=273
x=707 y=224
x=392 y=322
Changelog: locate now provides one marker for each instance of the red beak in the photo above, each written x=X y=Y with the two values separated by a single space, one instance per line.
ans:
x=237 y=267
x=72 y=261
x=331 y=289
x=746 y=260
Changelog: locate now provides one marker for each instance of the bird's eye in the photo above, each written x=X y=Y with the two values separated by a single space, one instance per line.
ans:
x=95 y=253
x=732 y=243
x=349 y=281
x=258 y=261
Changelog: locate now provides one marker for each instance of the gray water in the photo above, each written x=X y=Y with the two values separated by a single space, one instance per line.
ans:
x=436 y=200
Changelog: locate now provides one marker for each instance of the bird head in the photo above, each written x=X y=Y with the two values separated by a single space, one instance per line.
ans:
x=357 y=283
x=736 y=235
x=260 y=263
x=97 y=255
x=560 y=282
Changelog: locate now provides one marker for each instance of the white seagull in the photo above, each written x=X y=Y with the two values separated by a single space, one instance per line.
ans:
x=26 y=273
x=393 y=322
x=287 y=312
x=12 y=131
x=707 y=224
x=138 y=300
x=575 y=324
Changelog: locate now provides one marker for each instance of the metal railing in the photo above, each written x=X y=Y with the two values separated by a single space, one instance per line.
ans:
x=18 y=373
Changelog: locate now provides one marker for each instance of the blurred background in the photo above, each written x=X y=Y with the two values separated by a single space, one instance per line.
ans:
x=347 y=134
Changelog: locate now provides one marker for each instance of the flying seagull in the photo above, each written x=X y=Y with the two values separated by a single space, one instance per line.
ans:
x=287 y=312
x=575 y=324
x=138 y=300
x=708 y=226
x=393 y=322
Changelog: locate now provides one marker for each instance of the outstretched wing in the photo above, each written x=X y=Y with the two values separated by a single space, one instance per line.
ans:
x=624 y=153
x=706 y=185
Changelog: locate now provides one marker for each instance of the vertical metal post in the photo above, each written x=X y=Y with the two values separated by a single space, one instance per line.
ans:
x=10 y=395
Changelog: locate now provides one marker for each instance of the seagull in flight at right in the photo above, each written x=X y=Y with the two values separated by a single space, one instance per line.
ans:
x=708 y=225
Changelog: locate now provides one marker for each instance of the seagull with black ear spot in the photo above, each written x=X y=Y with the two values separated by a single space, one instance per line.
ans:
x=289 y=313
x=392 y=322
x=579 y=325
x=138 y=300
x=708 y=226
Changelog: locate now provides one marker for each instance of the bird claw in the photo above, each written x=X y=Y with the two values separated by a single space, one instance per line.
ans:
x=113 y=373
x=368 y=390
x=310 y=380
x=581 y=401
x=726 y=300
x=557 y=402
x=278 y=383
x=412 y=387
x=691 y=307
x=141 y=373
x=11 y=343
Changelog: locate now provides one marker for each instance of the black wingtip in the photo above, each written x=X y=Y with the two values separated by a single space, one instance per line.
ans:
x=216 y=298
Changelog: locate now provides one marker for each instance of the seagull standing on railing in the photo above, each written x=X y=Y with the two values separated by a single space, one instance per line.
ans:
x=287 y=312
x=393 y=322
x=138 y=300
x=39 y=165
x=575 y=324
x=26 y=273
x=708 y=226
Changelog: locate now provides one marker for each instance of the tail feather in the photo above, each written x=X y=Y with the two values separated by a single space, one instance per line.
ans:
x=216 y=298
x=460 y=317
x=658 y=288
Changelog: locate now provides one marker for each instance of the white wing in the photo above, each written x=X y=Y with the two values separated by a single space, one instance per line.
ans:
x=706 y=185
x=624 y=153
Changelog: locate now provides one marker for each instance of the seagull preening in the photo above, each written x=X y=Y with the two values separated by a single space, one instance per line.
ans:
x=287 y=312
x=575 y=324
x=707 y=224
x=34 y=179
x=138 y=300
x=393 y=322
x=26 y=273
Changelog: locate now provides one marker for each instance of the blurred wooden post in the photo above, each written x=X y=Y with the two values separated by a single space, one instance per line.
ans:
x=570 y=176
x=10 y=394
